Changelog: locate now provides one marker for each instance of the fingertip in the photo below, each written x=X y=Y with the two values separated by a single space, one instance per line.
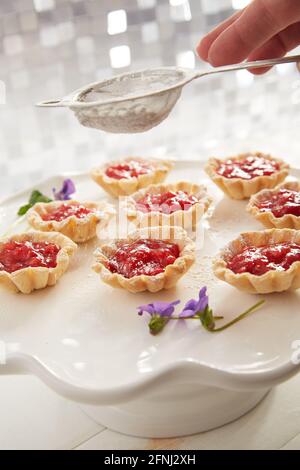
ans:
x=205 y=44
x=226 y=49
x=218 y=56
x=203 y=48
x=215 y=58
x=272 y=49
x=259 y=71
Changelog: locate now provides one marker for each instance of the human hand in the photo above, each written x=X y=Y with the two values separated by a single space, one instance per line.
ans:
x=265 y=29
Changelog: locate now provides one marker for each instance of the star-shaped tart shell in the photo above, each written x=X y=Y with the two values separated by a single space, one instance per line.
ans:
x=186 y=219
x=78 y=229
x=126 y=186
x=29 y=279
x=165 y=280
x=267 y=218
x=238 y=188
x=271 y=281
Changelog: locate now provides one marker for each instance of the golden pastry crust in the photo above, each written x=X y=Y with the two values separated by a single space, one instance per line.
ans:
x=271 y=281
x=186 y=219
x=238 y=188
x=28 y=279
x=79 y=230
x=165 y=280
x=127 y=186
x=267 y=218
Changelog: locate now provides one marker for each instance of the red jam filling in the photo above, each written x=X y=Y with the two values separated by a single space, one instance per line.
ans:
x=281 y=203
x=149 y=257
x=67 y=210
x=259 y=260
x=167 y=203
x=128 y=169
x=19 y=255
x=248 y=168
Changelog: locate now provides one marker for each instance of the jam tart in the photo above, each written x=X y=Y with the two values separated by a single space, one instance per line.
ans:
x=34 y=260
x=178 y=204
x=244 y=175
x=150 y=259
x=261 y=262
x=76 y=220
x=124 y=177
x=279 y=207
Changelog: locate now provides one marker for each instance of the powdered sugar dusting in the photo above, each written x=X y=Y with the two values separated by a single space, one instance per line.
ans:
x=201 y=274
x=132 y=102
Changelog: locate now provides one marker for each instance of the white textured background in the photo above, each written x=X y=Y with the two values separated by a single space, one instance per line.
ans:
x=50 y=47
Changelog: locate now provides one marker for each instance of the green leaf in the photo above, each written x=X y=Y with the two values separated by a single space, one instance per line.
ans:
x=157 y=324
x=207 y=318
x=35 y=196
x=24 y=209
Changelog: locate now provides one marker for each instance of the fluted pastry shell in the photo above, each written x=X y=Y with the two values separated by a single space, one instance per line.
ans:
x=29 y=279
x=79 y=230
x=238 y=188
x=165 y=280
x=271 y=281
x=182 y=218
x=127 y=186
x=267 y=218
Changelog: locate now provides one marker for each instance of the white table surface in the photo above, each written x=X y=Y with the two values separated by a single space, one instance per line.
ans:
x=34 y=417
x=219 y=116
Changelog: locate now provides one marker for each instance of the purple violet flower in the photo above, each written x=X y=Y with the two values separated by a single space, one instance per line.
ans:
x=162 y=309
x=160 y=313
x=68 y=188
x=192 y=307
